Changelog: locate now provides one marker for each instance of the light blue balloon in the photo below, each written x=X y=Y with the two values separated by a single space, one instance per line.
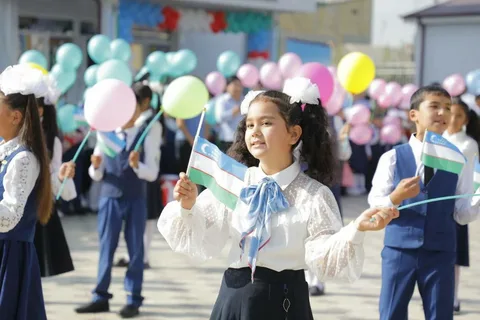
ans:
x=210 y=113
x=69 y=56
x=228 y=63
x=156 y=63
x=121 y=50
x=90 y=75
x=186 y=60
x=34 y=56
x=348 y=101
x=99 y=48
x=115 y=69
x=65 y=79
x=65 y=118
x=473 y=82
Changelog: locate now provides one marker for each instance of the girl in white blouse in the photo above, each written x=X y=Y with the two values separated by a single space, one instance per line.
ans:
x=266 y=279
x=466 y=141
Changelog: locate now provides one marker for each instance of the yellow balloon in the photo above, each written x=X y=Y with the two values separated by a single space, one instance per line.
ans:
x=355 y=72
x=38 y=67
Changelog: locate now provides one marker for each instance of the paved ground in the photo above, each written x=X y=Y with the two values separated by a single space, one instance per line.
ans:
x=177 y=289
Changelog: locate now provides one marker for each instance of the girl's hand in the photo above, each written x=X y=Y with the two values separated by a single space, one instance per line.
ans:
x=133 y=159
x=376 y=219
x=96 y=161
x=185 y=192
x=67 y=171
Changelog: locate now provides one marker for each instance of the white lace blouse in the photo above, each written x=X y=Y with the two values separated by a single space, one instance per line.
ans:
x=18 y=182
x=307 y=235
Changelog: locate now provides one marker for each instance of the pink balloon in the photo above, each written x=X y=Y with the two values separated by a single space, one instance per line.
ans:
x=454 y=84
x=333 y=71
x=335 y=104
x=407 y=92
x=376 y=88
x=358 y=114
x=271 y=77
x=391 y=134
x=321 y=76
x=394 y=90
x=392 y=120
x=361 y=134
x=248 y=75
x=384 y=101
x=289 y=64
x=109 y=105
x=215 y=82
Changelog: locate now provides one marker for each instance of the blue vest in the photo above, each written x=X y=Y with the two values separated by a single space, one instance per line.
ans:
x=25 y=229
x=430 y=226
x=119 y=179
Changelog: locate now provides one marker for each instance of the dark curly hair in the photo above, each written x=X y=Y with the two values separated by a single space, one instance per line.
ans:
x=317 y=149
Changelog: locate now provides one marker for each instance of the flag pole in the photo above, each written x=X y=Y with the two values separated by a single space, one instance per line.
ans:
x=423 y=147
x=197 y=134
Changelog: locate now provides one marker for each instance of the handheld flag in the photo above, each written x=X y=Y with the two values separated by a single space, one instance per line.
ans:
x=216 y=171
x=439 y=153
x=476 y=176
x=110 y=143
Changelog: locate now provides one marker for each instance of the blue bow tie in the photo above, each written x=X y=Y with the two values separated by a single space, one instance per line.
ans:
x=263 y=200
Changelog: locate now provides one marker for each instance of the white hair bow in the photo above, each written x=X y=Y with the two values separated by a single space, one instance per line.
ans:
x=51 y=97
x=301 y=89
x=24 y=80
x=248 y=100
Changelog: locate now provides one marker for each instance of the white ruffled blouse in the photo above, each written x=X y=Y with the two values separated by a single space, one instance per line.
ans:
x=307 y=235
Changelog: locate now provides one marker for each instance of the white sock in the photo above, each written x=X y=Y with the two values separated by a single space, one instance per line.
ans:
x=147 y=239
x=457 y=283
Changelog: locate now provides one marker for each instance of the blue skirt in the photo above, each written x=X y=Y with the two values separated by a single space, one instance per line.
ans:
x=21 y=296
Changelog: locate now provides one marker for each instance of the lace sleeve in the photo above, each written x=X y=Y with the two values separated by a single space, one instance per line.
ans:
x=18 y=182
x=200 y=233
x=332 y=252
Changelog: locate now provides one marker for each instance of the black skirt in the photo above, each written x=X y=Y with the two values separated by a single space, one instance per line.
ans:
x=273 y=295
x=154 y=200
x=463 y=256
x=52 y=248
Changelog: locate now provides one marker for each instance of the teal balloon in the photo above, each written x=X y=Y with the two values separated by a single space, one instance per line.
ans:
x=90 y=75
x=121 y=50
x=210 y=113
x=185 y=60
x=65 y=79
x=155 y=101
x=228 y=63
x=99 y=48
x=34 y=56
x=115 y=69
x=65 y=118
x=69 y=56
x=157 y=63
x=143 y=71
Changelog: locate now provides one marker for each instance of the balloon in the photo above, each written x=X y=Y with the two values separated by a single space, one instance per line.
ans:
x=392 y=120
x=185 y=60
x=289 y=65
x=348 y=100
x=248 y=75
x=394 y=90
x=90 y=76
x=454 y=84
x=215 y=82
x=473 y=82
x=361 y=134
x=69 y=56
x=64 y=79
x=391 y=134
x=376 y=88
x=228 y=63
x=65 y=118
x=120 y=49
x=115 y=69
x=384 y=101
x=210 y=113
x=335 y=104
x=35 y=57
x=355 y=72
x=270 y=76
x=358 y=114
x=157 y=63
x=38 y=67
x=109 y=104
x=99 y=48
x=185 y=97
x=321 y=76
x=407 y=92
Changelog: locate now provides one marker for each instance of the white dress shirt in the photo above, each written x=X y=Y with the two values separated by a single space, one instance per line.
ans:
x=18 y=182
x=466 y=209
x=307 y=235
x=147 y=170
x=69 y=192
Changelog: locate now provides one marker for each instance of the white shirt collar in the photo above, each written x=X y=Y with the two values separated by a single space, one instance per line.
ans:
x=6 y=148
x=284 y=177
x=458 y=136
x=143 y=117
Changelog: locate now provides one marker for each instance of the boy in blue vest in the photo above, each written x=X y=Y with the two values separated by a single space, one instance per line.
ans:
x=123 y=198
x=420 y=244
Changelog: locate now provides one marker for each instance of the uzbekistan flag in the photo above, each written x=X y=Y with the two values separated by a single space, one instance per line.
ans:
x=218 y=172
x=110 y=143
x=476 y=176
x=441 y=154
